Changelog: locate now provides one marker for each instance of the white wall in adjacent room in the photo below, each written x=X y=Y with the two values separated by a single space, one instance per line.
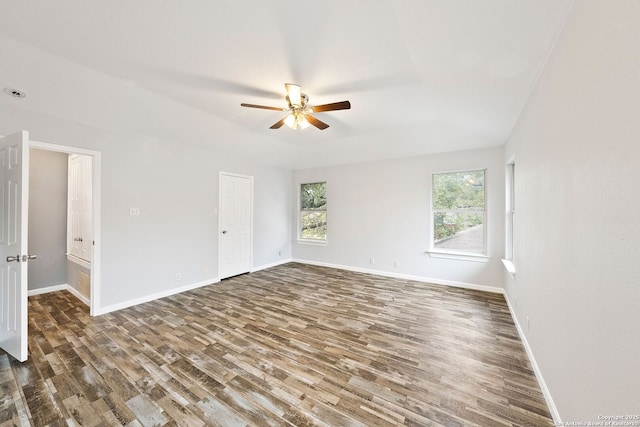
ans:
x=47 y=219
x=577 y=152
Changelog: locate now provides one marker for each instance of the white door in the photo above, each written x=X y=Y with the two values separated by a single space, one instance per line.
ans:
x=235 y=224
x=79 y=221
x=14 y=196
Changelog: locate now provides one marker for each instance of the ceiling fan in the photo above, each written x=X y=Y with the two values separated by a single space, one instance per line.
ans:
x=299 y=116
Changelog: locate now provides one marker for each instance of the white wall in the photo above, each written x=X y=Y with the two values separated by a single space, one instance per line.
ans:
x=171 y=175
x=175 y=186
x=577 y=151
x=176 y=189
x=47 y=219
x=381 y=210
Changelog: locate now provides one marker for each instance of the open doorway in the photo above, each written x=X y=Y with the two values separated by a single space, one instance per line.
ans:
x=64 y=202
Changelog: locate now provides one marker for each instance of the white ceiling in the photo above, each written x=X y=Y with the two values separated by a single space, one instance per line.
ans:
x=422 y=76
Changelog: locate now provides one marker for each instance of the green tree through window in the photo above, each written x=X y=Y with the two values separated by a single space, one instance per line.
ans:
x=313 y=211
x=459 y=211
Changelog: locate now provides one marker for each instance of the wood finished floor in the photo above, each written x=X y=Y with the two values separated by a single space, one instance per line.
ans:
x=292 y=345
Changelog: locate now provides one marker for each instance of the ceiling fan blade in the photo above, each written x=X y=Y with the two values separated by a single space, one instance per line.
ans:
x=317 y=123
x=294 y=93
x=278 y=124
x=264 y=107
x=343 y=105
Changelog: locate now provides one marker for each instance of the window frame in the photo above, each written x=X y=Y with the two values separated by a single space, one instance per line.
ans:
x=454 y=253
x=301 y=211
x=510 y=217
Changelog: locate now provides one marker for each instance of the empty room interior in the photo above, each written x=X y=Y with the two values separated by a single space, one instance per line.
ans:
x=357 y=213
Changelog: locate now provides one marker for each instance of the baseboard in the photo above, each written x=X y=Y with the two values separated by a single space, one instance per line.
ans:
x=464 y=285
x=130 y=303
x=273 y=264
x=78 y=295
x=63 y=287
x=536 y=369
x=48 y=289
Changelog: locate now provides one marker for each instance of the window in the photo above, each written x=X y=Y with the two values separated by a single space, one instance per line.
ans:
x=313 y=211
x=510 y=215
x=458 y=208
x=511 y=208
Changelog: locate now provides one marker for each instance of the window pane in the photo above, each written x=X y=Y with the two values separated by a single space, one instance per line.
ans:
x=314 y=225
x=458 y=190
x=459 y=231
x=313 y=196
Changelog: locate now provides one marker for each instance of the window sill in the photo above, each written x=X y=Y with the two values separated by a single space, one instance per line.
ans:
x=510 y=266
x=312 y=242
x=459 y=256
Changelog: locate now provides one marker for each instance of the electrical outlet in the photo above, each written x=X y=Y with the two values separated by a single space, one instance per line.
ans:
x=178 y=276
x=206 y=269
x=396 y=264
x=372 y=261
x=134 y=211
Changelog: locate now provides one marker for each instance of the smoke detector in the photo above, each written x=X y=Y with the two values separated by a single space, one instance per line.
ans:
x=14 y=92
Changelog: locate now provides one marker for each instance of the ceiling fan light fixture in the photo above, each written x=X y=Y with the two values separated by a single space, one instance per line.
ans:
x=296 y=120
x=290 y=121
x=303 y=123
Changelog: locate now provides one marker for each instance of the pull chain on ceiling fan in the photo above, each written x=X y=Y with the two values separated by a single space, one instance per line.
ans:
x=299 y=116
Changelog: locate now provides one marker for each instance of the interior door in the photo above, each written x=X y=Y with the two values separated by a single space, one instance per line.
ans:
x=235 y=224
x=14 y=197
x=79 y=221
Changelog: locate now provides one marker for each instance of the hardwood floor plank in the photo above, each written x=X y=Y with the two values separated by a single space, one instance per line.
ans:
x=146 y=411
x=39 y=401
x=219 y=414
x=293 y=345
x=179 y=412
x=8 y=409
x=118 y=410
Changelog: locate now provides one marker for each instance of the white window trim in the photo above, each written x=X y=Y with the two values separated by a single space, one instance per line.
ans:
x=453 y=254
x=510 y=212
x=461 y=256
x=312 y=242
x=300 y=240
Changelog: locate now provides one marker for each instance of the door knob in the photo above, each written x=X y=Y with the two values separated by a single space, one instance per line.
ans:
x=28 y=257
x=77 y=239
x=13 y=258
x=224 y=231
